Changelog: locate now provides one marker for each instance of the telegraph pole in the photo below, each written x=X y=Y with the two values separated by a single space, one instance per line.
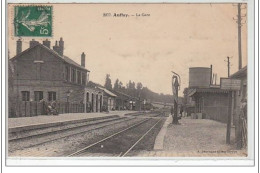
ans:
x=228 y=65
x=239 y=35
x=240 y=22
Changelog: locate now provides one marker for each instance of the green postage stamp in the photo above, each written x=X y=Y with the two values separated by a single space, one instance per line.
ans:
x=33 y=21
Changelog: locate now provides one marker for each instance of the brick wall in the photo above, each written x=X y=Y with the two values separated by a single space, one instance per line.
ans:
x=38 y=69
x=60 y=87
x=27 y=68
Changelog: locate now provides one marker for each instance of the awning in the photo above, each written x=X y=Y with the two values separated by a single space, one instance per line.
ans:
x=207 y=90
x=108 y=92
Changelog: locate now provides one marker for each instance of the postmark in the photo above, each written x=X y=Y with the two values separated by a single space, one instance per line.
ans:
x=35 y=21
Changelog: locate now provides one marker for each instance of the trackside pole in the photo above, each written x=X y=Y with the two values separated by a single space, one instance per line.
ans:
x=229 y=118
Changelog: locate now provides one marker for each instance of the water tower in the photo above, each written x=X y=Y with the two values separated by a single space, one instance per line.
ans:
x=200 y=77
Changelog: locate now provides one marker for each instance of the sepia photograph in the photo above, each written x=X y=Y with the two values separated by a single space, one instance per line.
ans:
x=112 y=80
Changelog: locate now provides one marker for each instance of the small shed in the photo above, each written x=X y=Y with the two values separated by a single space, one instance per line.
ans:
x=109 y=99
x=210 y=103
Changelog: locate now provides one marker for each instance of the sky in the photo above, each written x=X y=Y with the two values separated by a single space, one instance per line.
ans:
x=174 y=37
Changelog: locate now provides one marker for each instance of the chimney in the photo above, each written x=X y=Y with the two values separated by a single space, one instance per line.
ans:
x=33 y=43
x=18 y=46
x=56 y=48
x=83 y=56
x=61 y=45
x=47 y=43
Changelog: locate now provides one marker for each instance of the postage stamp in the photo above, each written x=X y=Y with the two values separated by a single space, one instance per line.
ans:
x=33 y=21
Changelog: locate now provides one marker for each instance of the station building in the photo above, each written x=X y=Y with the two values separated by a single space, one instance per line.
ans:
x=42 y=73
x=211 y=102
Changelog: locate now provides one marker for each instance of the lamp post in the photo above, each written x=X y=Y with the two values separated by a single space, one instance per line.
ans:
x=144 y=105
x=175 y=88
x=68 y=96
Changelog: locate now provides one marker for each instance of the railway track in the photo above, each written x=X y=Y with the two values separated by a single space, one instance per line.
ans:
x=148 y=114
x=48 y=131
x=121 y=142
x=32 y=140
x=61 y=141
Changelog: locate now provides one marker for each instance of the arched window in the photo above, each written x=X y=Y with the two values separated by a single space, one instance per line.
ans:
x=92 y=102
x=100 y=104
x=87 y=98
x=97 y=103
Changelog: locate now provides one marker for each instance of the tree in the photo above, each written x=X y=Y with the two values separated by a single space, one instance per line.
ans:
x=133 y=86
x=116 y=85
x=120 y=85
x=129 y=84
x=108 y=83
x=139 y=86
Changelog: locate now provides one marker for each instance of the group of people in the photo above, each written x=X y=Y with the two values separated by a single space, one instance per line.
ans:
x=180 y=110
x=50 y=108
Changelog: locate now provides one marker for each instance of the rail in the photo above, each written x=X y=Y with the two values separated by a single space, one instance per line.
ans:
x=81 y=151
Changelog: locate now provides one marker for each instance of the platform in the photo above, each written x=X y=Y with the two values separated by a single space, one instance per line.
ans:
x=193 y=138
x=44 y=120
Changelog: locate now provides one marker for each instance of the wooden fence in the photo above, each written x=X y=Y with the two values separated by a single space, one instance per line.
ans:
x=33 y=108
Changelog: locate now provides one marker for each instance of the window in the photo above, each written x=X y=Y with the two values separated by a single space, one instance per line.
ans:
x=51 y=96
x=67 y=73
x=87 y=97
x=83 y=78
x=38 y=95
x=25 y=95
x=78 y=77
x=73 y=75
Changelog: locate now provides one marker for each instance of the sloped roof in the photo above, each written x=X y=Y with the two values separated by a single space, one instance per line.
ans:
x=240 y=73
x=107 y=92
x=70 y=61
x=123 y=94
x=119 y=92
x=65 y=58
x=93 y=84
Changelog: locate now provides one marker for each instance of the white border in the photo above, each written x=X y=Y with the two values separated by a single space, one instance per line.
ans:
x=129 y=1
x=130 y=162
x=252 y=69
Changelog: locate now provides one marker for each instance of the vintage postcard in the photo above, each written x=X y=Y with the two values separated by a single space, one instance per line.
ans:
x=163 y=80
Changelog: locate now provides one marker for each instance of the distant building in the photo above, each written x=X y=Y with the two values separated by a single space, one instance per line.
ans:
x=122 y=101
x=42 y=73
x=136 y=103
